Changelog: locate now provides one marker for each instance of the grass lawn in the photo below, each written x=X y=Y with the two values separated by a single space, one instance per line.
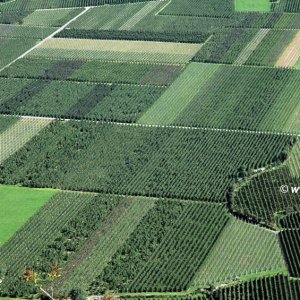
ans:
x=18 y=204
x=252 y=5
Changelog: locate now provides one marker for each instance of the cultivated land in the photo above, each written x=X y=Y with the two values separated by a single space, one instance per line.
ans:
x=150 y=149
x=17 y=206
x=117 y=50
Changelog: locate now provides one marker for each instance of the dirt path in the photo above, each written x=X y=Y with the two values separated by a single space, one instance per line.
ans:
x=291 y=54
x=47 y=38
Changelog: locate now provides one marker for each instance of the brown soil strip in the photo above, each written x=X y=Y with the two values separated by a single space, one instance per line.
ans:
x=291 y=54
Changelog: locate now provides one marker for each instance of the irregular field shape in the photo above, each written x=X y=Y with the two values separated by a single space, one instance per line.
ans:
x=180 y=152
x=42 y=229
x=50 y=17
x=261 y=197
x=167 y=108
x=252 y=5
x=18 y=204
x=101 y=247
x=17 y=135
x=242 y=248
x=294 y=161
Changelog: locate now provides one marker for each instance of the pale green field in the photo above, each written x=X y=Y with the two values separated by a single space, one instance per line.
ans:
x=18 y=204
x=117 y=50
x=177 y=97
x=253 y=5
x=51 y=17
x=241 y=249
x=17 y=135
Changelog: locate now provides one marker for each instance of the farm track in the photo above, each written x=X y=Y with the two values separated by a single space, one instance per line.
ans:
x=46 y=39
x=154 y=126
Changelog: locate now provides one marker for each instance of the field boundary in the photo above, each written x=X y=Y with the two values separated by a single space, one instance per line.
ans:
x=47 y=38
x=154 y=125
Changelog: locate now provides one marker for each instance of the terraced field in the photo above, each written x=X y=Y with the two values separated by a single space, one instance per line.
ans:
x=149 y=149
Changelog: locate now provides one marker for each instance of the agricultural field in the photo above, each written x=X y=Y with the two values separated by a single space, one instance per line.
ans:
x=272 y=48
x=252 y=5
x=210 y=101
x=52 y=18
x=150 y=149
x=142 y=168
x=18 y=204
x=261 y=197
x=16 y=135
x=140 y=51
x=241 y=249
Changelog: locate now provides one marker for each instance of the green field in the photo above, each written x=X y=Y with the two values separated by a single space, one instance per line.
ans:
x=140 y=159
x=117 y=50
x=53 y=18
x=17 y=206
x=202 y=96
x=167 y=108
x=6 y=122
x=271 y=48
x=241 y=249
x=252 y=5
x=150 y=149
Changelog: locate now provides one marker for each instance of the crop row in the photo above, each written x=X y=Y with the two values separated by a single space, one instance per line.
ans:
x=171 y=162
x=218 y=96
x=18 y=134
x=261 y=198
x=102 y=244
x=272 y=287
x=69 y=99
x=92 y=71
x=163 y=262
x=41 y=229
x=290 y=240
x=242 y=249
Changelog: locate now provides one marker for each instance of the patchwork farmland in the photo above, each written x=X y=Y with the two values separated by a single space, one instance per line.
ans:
x=150 y=149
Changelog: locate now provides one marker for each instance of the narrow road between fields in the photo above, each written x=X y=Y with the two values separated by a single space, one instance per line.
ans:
x=47 y=38
x=154 y=126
